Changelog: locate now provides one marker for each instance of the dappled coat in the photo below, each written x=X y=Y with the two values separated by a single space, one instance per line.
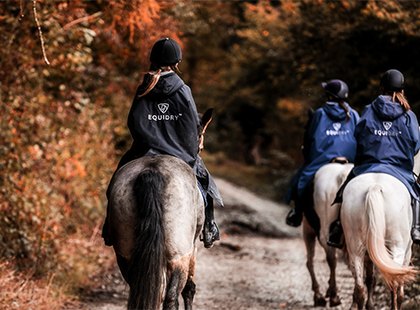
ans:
x=329 y=134
x=387 y=140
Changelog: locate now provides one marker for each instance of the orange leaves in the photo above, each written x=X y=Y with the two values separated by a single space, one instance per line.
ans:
x=290 y=106
x=72 y=168
x=35 y=152
x=136 y=15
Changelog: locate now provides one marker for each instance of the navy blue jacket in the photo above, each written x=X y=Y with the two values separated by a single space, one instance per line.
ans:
x=329 y=135
x=165 y=121
x=387 y=140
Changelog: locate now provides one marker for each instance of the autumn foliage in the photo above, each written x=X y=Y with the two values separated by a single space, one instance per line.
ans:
x=61 y=127
x=259 y=63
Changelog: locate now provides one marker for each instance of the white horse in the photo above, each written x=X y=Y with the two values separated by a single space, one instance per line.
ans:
x=376 y=216
x=327 y=181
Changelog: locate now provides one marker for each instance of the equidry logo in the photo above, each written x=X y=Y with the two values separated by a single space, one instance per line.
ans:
x=163 y=108
x=336 y=130
x=387 y=125
x=386 y=132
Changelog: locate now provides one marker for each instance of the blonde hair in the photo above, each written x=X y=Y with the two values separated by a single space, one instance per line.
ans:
x=155 y=76
x=398 y=96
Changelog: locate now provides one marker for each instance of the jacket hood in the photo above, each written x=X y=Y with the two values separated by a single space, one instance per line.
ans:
x=335 y=111
x=385 y=109
x=167 y=85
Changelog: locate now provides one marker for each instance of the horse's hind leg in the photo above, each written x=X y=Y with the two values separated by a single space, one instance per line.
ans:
x=397 y=296
x=172 y=289
x=332 y=285
x=370 y=281
x=189 y=290
x=178 y=271
x=123 y=265
x=188 y=293
x=359 y=293
x=400 y=297
x=309 y=237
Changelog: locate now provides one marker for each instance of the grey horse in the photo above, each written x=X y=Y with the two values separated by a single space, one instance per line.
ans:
x=156 y=213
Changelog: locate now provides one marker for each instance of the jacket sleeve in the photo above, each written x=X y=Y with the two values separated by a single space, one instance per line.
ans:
x=310 y=128
x=356 y=116
x=361 y=123
x=131 y=120
x=191 y=101
x=191 y=122
x=414 y=130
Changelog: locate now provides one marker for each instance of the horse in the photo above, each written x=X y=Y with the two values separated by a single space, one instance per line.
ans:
x=155 y=215
x=376 y=217
x=327 y=181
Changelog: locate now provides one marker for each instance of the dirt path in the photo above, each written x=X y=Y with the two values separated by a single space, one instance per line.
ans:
x=259 y=264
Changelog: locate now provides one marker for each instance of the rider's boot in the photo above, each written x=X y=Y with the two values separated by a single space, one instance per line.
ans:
x=294 y=217
x=339 y=196
x=415 y=229
x=335 y=236
x=210 y=229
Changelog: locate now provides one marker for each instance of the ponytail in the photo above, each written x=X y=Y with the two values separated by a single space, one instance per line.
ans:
x=154 y=76
x=398 y=96
x=345 y=108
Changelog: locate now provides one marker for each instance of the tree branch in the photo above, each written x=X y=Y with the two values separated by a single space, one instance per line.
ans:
x=40 y=33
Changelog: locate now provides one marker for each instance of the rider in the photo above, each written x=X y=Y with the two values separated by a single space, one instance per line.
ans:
x=328 y=135
x=163 y=119
x=387 y=140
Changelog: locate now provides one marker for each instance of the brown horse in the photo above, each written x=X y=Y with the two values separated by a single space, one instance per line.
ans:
x=156 y=213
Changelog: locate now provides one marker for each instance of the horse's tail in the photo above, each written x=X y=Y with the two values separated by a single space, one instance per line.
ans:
x=393 y=273
x=148 y=260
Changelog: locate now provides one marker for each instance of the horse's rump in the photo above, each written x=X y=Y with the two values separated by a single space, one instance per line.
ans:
x=155 y=213
x=376 y=216
x=180 y=197
x=327 y=181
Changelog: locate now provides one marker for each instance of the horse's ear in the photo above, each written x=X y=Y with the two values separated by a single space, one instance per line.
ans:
x=206 y=118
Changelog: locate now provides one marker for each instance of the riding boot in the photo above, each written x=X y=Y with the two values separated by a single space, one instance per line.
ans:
x=335 y=236
x=415 y=229
x=294 y=217
x=303 y=201
x=210 y=229
x=339 y=196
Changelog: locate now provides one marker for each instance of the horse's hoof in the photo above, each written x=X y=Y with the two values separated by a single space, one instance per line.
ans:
x=335 y=301
x=319 y=301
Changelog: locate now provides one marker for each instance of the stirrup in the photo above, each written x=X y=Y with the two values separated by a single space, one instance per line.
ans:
x=210 y=233
x=294 y=218
x=336 y=236
x=415 y=234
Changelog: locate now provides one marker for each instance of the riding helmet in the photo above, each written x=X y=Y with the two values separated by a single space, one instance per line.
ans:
x=392 y=80
x=165 y=52
x=336 y=88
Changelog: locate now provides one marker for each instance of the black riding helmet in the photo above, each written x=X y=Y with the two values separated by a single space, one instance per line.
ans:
x=336 y=88
x=165 y=52
x=392 y=80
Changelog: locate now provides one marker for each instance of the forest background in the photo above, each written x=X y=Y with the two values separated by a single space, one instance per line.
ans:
x=69 y=70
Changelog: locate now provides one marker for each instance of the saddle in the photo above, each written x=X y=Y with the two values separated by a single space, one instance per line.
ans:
x=339 y=160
